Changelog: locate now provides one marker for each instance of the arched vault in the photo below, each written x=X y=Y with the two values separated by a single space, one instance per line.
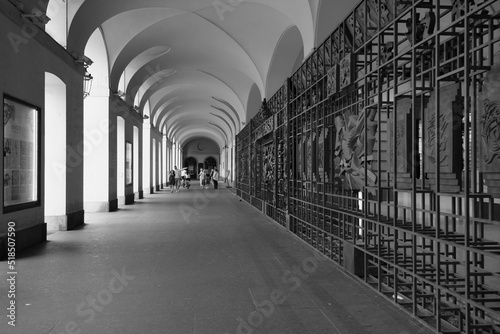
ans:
x=196 y=62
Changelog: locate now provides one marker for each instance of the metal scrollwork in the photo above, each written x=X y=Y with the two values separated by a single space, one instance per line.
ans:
x=268 y=165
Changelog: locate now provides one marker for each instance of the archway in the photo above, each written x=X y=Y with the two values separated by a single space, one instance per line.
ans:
x=153 y=167
x=120 y=159
x=136 y=161
x=192 y=167
x=55 y=154
x=99 y=196
x=210 y=163
x=146 y=152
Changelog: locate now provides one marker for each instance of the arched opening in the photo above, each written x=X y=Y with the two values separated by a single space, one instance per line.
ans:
x=192 y=167
x=169 y=158
x=174 y=154
x=159 y=165
x=96 y=122
x=164 y=166
x=136 y=161
x=210 y=163
x=153 y=167
x=56 y=167
x=120 y=159
x=146 y=151
x=227 y=173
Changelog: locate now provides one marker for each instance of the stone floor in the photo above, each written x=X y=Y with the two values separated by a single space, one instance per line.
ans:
x=197 y=261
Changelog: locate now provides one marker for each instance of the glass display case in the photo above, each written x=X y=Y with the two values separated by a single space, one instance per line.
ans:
x=21 y=154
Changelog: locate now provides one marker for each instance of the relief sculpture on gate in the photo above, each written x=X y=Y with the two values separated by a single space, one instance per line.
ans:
x=489 y=131
x=443 y=143
x=353 y=150
x=399 y=138
x=268 y=165
x=321 y=154
x=257 y=179
x=310 y=174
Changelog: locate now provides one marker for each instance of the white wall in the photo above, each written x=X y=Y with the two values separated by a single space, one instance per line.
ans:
x=154 y=164
x=55 y=153
x=136 y=161
x=146 y=157
x=96 y=129
x=120 y=145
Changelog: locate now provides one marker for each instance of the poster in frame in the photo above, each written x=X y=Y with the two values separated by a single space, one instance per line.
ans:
x=129 y=179
x=21 y=155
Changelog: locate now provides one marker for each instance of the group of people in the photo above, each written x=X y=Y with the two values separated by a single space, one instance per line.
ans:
x=207 y=177
x=174 y=179
x=177 y=177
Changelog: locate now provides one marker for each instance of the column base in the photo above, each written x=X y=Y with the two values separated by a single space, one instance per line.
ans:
x=65 y=222
x=113 y=205
x=56 y=223
x=129 y=199
x=76 y=219
x=96 y=206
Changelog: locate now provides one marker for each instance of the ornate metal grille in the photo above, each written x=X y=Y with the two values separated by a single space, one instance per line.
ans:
x=387 y=156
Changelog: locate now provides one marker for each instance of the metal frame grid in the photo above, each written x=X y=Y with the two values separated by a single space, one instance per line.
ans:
x=388 y=156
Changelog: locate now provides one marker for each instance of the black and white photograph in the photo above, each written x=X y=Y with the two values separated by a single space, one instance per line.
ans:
x=250 y=167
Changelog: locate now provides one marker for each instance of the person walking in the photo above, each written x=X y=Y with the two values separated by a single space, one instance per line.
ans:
x=188 y=179
x=184 y=175
x=171 y=180
x=215 y=177
x=208 y=175
x=202 y=178
x=177 y=178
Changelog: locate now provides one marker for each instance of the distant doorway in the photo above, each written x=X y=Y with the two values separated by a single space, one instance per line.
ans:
x=192 y=167
x=210 y=163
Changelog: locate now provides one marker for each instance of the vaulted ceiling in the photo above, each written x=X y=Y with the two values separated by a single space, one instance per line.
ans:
x=199 y=68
